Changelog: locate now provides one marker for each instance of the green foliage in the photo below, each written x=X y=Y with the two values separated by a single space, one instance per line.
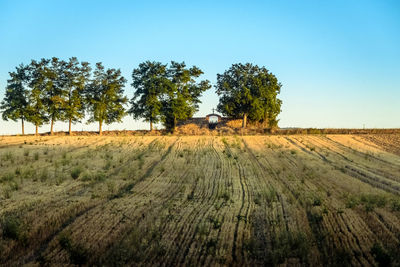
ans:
x=52 y=84
x=395 y=205
x=12 y=227
x=99 y=176
x=104 y=96
x=76 y=77
x=317 y=201
x=247 y=90
x=352 y=201
x=7 y=177
x=15 y=104
x=166 y=94
x=150 y=82
x=37 y=99
x=371 y=201
x=49 y=89
x=86 y=177
x=75 y=172
x=182 y=96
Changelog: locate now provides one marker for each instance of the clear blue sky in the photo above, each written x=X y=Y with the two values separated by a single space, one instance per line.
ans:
x=338 y=61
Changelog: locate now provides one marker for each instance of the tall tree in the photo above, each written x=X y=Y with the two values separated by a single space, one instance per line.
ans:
x=37 y=109
x=15 y=103
x=76 y=77
x=249 y=91
x=54 y=85
x=182 y=96
x=105 y=96
x=149 y=81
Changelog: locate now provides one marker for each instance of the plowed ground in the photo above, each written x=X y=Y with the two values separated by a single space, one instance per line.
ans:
x=297 y=200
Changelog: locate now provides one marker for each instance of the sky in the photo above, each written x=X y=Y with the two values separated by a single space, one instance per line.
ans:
x=338 y=61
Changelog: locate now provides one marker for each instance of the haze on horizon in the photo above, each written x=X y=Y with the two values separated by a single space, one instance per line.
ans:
x=338 y=62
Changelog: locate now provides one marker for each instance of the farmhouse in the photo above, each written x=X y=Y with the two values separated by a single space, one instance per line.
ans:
x=209 y=121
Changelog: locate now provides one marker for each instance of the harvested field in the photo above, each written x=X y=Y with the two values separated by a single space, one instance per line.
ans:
x=292 y=200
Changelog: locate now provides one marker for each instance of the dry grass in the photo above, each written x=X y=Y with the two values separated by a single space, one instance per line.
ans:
x=200 y=200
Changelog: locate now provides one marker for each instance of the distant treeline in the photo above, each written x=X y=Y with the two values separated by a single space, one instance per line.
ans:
x=51 y=90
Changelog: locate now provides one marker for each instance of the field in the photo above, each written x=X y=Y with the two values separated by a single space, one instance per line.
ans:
x=319 y=200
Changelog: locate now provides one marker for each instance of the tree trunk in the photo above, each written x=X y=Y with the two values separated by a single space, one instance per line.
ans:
x=174 y=126
x=244 y=120
x=51 y=126
x=23 y=130
x=151 y=125
x=70 y=129
x=100 y=125
x=37 y=129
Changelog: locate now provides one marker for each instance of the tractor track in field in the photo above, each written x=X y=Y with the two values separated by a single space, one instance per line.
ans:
x=245 y=194
x=38 y=252
x=194 y=218
x=355 y=237
x=357 y=152
x=122 y=192
x=178 y=233
x=172 y=194
x=349 y=168
x=207 y=201
x=47 y=165
x=126 y=189
x=378 y=172
x=62 y=200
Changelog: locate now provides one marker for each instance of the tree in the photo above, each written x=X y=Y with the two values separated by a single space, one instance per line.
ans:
x=249 y=91
x=53 y=89
x=76 y=77
x=36 y=109
x=15 y=103
x=182 y=96
x=149 y=80
x=104 y=96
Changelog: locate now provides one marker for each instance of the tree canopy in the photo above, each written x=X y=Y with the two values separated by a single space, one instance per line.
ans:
x=182 y=97
x=37 y=109
x=150 y=82
x=15 y=104
x=53 y=86
x=76 y=77
x=51 y=90
x=166 y=94
x=104 y=96
x=249 y=91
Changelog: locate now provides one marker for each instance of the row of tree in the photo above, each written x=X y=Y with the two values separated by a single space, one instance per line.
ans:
x=53 y=90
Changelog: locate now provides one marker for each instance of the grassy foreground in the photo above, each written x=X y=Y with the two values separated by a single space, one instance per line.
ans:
x=315 y=200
